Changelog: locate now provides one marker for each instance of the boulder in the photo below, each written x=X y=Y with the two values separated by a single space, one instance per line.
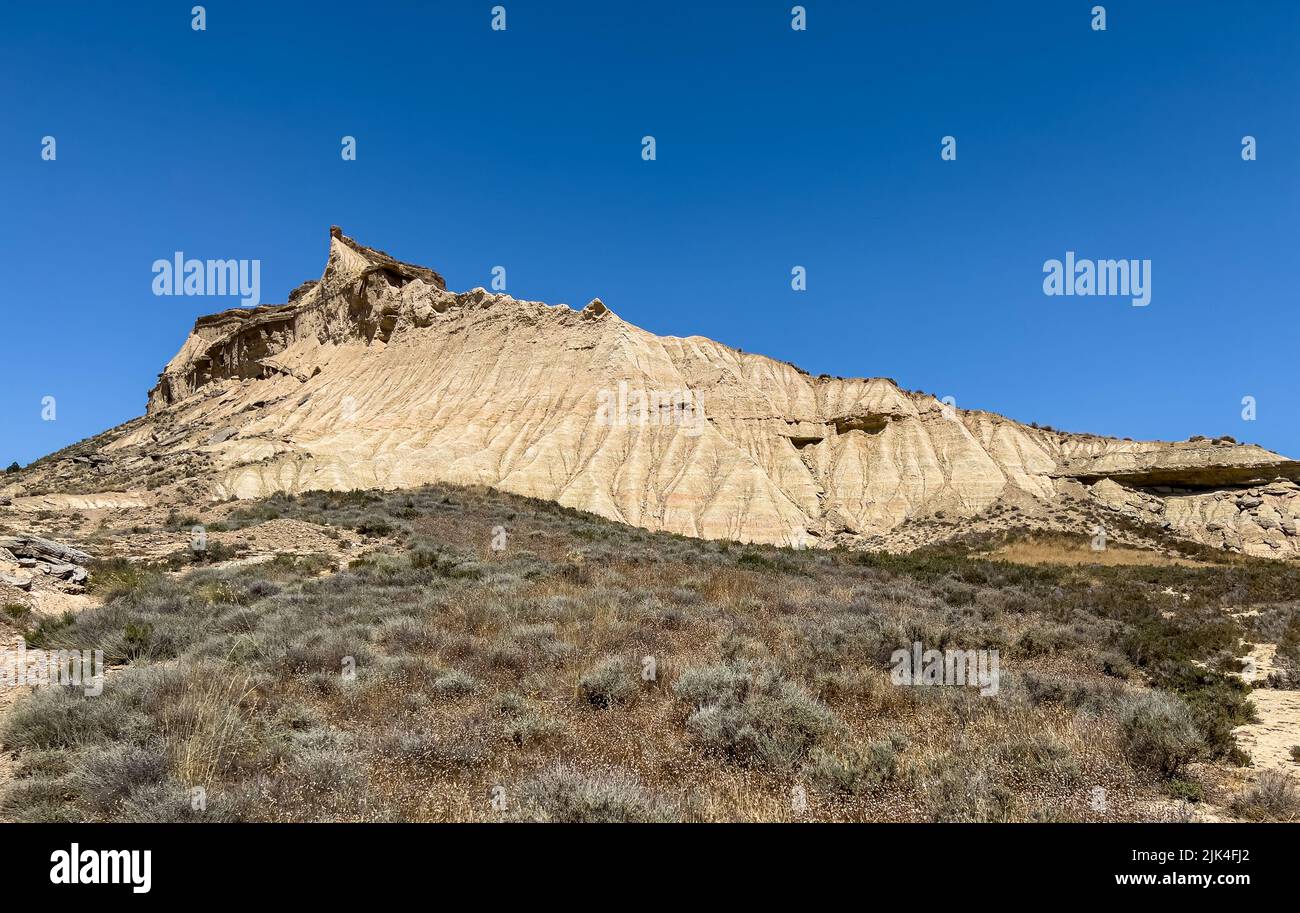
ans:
x=19 y=580
x=26 y=546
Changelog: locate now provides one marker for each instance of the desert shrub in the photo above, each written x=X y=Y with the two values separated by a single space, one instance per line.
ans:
x=325 y=650
x=1039 y=756
x=169 y=803
x=177 y=521
x=528 y=727
x=610 y=682
x=854 y=771
x=1159 y=733
x=524 y=725
x=455 y=683
x=1218 y=704
x=845 y=685
x=48 y=628
x=375 y=526
x=406 y=671
x=107 y=776
x=772 y=724
x=1184 y=790
x=468 y=744
x=562 y=793
x=326 y=770
x=16 y=611
x=53 y=718
x=403 y=743
x=961 y=790
x=137 y=639
x=1074 y=694
x=832 y=641
x=1274 y=796
x=542 y=642
x=403 y=635
x=39 y=799
x=205 y=725
x=778 y=620
x=212 y=553
x=1044 y=639
x=444 y=564
x=712 y=685
x=50 y=764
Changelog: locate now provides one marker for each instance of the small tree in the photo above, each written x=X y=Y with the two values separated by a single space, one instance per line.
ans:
x=13 y=467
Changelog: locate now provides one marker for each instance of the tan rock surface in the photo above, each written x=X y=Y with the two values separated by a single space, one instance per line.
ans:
x=377 y=376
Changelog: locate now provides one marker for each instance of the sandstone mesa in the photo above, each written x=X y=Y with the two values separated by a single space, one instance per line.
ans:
x=377 y=376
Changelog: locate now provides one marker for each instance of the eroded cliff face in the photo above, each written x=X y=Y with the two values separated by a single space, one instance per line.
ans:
x=378 y=376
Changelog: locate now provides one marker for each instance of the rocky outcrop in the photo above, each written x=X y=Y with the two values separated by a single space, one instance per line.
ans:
x=1184 y=465
x=242 y=343
x=24 y=558
x=378 y=376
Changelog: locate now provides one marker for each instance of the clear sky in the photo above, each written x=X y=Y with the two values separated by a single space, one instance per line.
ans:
x=775 y=148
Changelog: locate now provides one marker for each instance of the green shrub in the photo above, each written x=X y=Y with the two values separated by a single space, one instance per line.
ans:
x=116 y=577
x=52 y=718
x=17 y=611
x=1185 y=790
x=375 y=527
x=1159 y=733
x=177 y=521
x=137 y=638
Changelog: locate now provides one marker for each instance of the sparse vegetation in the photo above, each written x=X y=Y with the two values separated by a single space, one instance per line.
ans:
x=567 y=795
x=16 y=611
x=1159 y=733
x=434 y=668
x=1275 y=796
x=609 y=683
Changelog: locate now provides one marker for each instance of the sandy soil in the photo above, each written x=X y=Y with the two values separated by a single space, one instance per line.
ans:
x=1269 y=741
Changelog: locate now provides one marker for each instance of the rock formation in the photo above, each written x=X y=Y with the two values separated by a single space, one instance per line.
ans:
x=378 y=376
x=24 y=557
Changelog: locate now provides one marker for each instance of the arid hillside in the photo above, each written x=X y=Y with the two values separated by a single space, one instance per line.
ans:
x=378 y=377
x=462 y=654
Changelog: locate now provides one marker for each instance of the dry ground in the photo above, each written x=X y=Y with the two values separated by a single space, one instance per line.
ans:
x=453 y=654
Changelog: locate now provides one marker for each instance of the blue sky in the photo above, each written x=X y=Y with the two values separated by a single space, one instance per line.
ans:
x=775 y=148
